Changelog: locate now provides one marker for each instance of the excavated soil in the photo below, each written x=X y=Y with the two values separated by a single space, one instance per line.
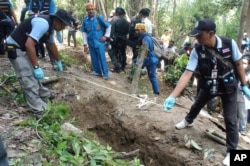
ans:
x=118 y=118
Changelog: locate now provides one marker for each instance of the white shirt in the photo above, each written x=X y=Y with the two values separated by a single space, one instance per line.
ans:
x=148 y=24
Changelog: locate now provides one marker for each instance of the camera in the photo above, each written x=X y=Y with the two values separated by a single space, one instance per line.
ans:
x=213 y=86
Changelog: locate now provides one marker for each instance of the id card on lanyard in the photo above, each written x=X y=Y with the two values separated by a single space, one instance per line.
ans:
x=214 y=73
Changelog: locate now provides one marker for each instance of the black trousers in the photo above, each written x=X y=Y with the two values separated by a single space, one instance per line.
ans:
x=229 y=102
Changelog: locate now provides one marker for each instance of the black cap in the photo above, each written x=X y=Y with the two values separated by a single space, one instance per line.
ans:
x=63 y=15
x=205 y=24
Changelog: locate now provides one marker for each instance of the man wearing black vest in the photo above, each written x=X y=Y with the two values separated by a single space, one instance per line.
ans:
x=7 y=7
x=22 y=54
x=118 y=37
x=218 y=60
x=7 y=21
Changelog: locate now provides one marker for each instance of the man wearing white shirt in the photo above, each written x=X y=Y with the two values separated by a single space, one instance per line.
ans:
x=143 y=14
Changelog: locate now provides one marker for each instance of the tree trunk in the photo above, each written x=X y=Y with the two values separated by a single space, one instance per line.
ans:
x=243 y=20
x=155 y=15
x=137 y=73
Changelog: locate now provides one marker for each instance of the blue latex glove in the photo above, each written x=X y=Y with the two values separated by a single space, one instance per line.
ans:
x=38 y=73
x=169 y=103
x=246 y=91
x=59 y=65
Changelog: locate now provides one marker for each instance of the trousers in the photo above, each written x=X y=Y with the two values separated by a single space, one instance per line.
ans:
x=229 y=102
x=35 y=93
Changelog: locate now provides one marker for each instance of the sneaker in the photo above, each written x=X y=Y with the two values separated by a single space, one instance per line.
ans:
x=244 y=133
x=106 y=78
x=95 y=73
x=183 y=124
x=226 y=161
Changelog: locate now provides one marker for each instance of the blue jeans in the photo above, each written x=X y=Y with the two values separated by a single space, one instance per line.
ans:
x=153 y=77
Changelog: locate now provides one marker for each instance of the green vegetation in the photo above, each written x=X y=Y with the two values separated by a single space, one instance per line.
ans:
x=10 y=88
x=175 y=71
x=55 y=146
x=62 y=148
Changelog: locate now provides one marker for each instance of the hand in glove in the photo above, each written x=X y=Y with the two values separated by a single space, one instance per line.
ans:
x=169 y=103
x=38 y=73
x=246 y=91
x=59 y=65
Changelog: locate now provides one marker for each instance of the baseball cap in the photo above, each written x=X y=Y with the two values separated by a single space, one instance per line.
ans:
x=205 y=24
x=63 y=15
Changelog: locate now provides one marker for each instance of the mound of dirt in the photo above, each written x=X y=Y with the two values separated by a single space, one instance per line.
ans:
x=124 y=121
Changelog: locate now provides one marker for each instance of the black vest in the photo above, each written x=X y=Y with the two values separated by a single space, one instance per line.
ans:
x=20 y=34
x=134 y=21
x=36 y=7
x=206 y=63
x=5 y=7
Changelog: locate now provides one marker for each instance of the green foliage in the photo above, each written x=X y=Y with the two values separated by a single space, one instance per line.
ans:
x=68 y=148
x=16 y=93
x=68 y=60
x=174 y=72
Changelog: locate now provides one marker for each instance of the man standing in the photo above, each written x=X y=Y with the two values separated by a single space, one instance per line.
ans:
x=21 y=53
x=151 y=60
x=24 y=10
x=42 y=6
x=165 y=38
x=144 y=14
x=72 y=29
x=218 y=60
x=118 y=37
x=95 y=33
x=7 y=21
x=133 y=38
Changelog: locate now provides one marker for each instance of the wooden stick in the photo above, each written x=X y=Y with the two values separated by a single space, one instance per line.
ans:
x=136 y=76
x=128 y=155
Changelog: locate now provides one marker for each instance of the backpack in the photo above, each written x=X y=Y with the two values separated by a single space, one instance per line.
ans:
x=158 y=47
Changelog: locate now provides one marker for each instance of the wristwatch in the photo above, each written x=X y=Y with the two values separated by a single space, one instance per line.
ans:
x=36 y=67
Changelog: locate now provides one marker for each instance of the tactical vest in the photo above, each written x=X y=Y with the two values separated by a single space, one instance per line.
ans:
x=226 y=81
x=134 y=21
x=36 y=7
x=20 y=34
x=5 y=7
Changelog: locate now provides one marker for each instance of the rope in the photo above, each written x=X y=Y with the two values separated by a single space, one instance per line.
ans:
x=111 y=89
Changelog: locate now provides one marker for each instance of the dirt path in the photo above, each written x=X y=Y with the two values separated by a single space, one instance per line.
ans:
x=107 y=108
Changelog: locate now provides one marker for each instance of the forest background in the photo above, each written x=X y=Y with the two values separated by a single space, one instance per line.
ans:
x=178 y=16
